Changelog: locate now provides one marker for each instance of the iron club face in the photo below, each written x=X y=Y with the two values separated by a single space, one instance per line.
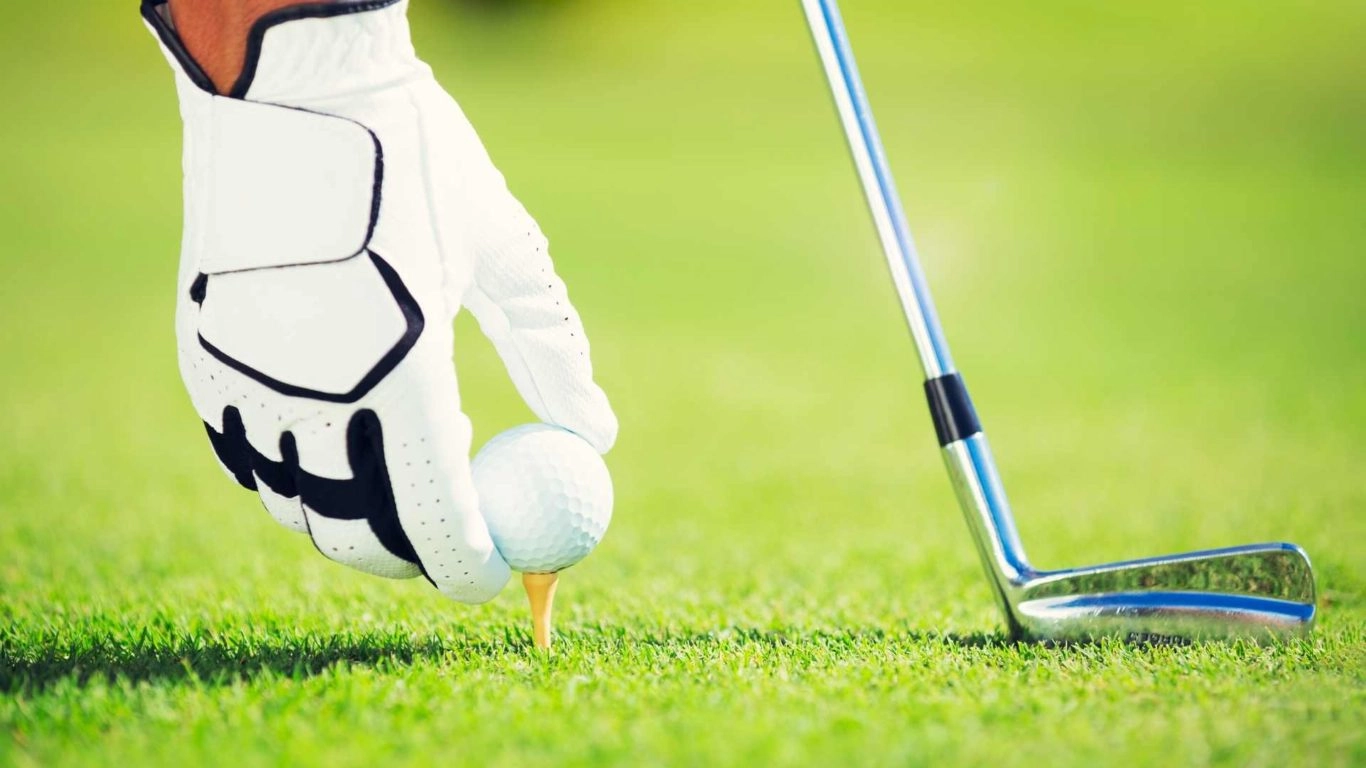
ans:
x=1259 y=591
x=1262 y=591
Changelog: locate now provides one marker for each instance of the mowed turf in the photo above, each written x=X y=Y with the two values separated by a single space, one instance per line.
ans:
x=1144 y=226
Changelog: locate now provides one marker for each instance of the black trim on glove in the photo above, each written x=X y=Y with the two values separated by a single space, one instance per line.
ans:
x=255 y=37
x=414 y=324
x=367 y=495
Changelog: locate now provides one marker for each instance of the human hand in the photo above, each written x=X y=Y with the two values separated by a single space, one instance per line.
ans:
x=339 y=211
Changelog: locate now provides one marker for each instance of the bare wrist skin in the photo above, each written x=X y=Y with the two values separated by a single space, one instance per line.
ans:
x=215 y=32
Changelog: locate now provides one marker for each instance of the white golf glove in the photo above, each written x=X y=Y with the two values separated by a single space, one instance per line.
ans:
x=339 y=210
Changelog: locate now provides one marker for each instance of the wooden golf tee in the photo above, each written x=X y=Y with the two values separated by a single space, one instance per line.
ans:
x=540 y=590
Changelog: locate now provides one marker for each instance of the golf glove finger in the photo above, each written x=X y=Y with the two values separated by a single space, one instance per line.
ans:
x=339 y=210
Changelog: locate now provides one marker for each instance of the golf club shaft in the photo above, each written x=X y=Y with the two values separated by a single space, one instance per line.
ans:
x=966 y=452
x=883 y=201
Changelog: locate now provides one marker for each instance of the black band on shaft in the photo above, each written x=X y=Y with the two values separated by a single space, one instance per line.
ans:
x=951 y=408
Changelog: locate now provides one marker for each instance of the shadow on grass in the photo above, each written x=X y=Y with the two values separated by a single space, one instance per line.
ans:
x=86 y=655
x=216 y=659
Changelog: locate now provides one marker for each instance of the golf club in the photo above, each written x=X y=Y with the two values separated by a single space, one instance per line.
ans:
x=1261 y=591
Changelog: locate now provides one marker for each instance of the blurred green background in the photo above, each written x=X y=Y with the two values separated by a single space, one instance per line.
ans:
x=1143 y=223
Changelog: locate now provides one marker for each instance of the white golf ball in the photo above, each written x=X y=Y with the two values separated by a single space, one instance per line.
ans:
x=546 y=496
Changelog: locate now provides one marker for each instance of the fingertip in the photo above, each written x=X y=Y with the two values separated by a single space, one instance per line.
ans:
x=597 y=425
x=601 y=434
x=480 y=584
x=606 y=437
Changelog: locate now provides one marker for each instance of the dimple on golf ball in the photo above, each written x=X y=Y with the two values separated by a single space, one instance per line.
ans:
x=545 y=494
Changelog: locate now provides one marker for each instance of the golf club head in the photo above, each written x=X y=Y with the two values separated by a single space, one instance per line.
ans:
x=1261 y=591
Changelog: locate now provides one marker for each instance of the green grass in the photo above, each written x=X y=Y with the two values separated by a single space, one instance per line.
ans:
x=1142 y=223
